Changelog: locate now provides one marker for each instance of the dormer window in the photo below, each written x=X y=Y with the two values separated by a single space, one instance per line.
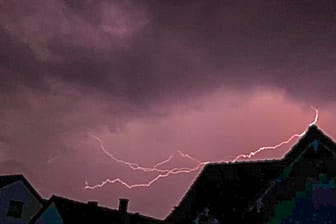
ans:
x=15 y=209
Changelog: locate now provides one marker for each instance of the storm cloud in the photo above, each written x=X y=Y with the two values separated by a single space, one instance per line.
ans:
x=134 y=69
x=145 y=50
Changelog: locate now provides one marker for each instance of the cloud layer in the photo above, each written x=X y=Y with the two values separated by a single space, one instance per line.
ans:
x=134 y=71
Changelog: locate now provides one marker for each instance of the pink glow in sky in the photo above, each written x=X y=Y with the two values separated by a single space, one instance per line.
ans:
x=212 y=79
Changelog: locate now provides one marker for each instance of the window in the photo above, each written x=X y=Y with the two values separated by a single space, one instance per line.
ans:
x=15 y=209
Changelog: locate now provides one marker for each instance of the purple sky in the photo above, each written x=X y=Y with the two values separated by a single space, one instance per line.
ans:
x=211 y=78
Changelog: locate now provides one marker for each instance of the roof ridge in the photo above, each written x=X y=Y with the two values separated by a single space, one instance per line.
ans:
x=312 y=133
x=12 y=175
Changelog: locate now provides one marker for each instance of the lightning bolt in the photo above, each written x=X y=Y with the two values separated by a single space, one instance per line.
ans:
x=251 y=154
x=135 y=166
x=174 y=171
x=148 y=184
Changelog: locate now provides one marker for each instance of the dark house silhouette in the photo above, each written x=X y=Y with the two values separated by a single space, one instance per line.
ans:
x=300 y=188
x=70 y=211
x=20 y=203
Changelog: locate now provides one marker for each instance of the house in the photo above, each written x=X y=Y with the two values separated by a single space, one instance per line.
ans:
x=299 y=188
x=19 y=202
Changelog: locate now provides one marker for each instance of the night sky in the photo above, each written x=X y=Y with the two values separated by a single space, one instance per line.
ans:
x=211 y=78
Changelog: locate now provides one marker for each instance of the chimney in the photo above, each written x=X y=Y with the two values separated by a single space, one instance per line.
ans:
x=93 y=209
x=123 y=203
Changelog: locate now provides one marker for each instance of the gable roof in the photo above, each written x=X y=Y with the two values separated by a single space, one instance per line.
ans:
x=9 y=179
x=227 y=188
x=313 y=133
x=223 y=189
x=78 y=212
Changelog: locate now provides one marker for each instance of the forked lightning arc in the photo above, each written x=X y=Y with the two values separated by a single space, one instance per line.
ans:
x=167 y=172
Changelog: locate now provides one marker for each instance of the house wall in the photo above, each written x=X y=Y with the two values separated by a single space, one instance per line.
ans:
x=18 y=191
x=50 y=216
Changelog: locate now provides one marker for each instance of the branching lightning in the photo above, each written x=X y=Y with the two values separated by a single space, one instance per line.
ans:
x=133 y=166
x=174 y=171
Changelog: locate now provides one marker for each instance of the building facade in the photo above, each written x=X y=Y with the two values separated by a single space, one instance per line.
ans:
x=19 y=202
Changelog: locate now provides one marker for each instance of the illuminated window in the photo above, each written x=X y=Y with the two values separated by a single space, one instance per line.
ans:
x=15 y=209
